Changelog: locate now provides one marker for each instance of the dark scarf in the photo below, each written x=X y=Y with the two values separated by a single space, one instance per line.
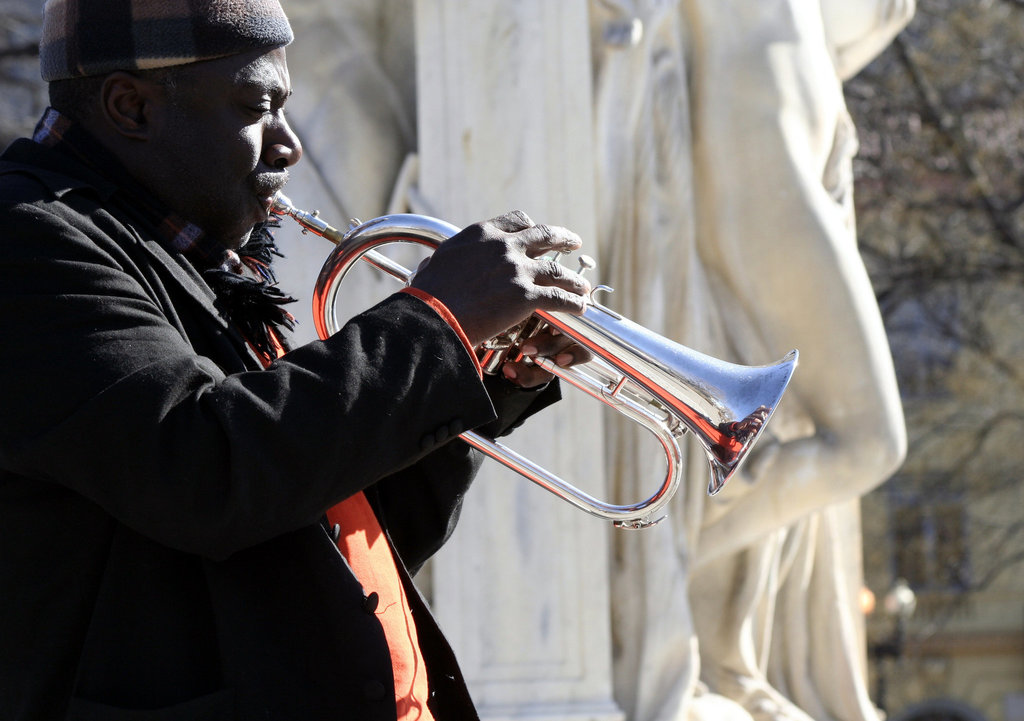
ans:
x=248 y=296
x=243 y=281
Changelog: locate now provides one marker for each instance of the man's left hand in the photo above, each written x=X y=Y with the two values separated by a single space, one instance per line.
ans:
x=548 y=343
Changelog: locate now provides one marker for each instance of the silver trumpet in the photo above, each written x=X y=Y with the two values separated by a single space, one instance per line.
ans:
x=666 y=387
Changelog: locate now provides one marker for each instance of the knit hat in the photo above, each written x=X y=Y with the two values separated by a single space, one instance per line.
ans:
x=94 y=37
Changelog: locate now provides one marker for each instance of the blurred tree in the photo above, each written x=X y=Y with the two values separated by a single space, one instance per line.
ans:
x=940 y=202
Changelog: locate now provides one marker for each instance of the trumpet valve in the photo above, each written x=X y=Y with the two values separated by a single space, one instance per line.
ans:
x=586 y=263
x=504 y=347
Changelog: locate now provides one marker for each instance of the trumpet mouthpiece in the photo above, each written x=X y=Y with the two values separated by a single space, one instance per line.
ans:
x=281 y=205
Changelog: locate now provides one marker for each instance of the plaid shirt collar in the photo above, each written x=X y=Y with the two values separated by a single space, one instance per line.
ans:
x=60 y=132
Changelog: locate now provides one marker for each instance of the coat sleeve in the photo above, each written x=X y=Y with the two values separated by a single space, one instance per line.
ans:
x=104 y=396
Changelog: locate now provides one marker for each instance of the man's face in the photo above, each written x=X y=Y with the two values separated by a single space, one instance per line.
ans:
x=222 y=144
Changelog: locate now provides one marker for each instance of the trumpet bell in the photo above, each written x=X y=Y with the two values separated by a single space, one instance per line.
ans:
x=725 y=406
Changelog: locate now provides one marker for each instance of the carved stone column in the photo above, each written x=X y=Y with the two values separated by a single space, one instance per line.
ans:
x=522 y=588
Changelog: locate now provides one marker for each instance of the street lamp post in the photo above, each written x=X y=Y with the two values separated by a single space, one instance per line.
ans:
x=899 y=604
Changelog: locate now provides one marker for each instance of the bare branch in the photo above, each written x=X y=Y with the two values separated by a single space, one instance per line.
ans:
x=953 y=132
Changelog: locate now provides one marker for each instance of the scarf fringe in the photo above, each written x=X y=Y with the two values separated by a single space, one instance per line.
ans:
x=254 y=305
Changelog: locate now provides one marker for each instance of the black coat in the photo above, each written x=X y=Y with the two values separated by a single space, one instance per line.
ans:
x=161 y=496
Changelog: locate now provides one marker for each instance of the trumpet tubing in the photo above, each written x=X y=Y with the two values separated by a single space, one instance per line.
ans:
x=664 y=386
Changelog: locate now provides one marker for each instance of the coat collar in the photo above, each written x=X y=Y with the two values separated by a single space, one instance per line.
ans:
x=240 y=285
x=62 y=176
x=58 y=174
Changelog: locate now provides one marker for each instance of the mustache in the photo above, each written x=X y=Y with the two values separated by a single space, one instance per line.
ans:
x=270 y=182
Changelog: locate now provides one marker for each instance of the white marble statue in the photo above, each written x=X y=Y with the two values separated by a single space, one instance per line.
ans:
x=720 y=210
x=727 y=170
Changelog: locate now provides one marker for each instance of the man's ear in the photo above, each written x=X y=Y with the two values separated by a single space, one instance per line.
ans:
x=127 y=103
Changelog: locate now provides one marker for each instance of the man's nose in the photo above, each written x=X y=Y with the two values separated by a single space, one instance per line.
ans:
x=283 y=147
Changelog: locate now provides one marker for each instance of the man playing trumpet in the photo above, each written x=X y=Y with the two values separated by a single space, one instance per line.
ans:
x=195 y=520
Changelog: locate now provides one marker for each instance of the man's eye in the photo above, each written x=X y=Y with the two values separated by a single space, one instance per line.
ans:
x=257 y=108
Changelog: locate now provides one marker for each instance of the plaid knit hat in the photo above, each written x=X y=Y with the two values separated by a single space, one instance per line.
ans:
x=94 y=37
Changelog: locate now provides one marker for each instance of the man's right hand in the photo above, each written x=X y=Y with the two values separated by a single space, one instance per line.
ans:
x=491 y=275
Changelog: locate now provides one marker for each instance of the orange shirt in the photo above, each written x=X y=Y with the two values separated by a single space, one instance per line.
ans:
x=363 y=543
